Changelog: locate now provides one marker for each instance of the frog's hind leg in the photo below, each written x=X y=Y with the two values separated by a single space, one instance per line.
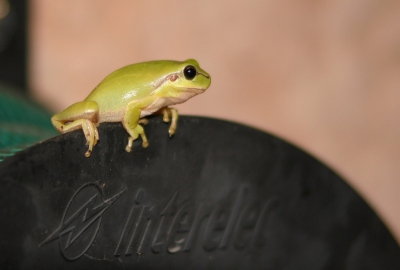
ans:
x=79 y=115
x=131 y=124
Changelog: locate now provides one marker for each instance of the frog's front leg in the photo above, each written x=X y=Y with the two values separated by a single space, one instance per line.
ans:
x=167 y=112
x=131 y=124
x=85 y=115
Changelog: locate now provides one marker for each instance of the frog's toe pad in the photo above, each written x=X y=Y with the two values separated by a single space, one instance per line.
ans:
x=171 y=132
x=88 y=153
x=143 y=121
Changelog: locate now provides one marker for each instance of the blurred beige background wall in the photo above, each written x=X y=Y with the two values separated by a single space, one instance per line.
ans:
x=325 y=75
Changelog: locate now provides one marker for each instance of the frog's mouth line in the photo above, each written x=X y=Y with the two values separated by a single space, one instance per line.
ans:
x=205 y=75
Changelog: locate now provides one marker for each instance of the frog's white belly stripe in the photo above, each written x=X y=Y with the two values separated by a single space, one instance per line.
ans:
x=118 y=116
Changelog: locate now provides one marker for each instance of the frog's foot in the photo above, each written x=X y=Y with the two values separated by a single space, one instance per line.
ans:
x=89 y=130
x=143 y=121
x=85 y=115
x=96 y=134
x=92 y=128
x=167 y=112
x=135 y=132
x=91 y=134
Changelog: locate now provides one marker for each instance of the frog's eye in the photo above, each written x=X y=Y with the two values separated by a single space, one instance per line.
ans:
x=189 y=72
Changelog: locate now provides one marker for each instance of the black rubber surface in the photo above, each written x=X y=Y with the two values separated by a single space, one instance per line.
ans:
x=217 y=195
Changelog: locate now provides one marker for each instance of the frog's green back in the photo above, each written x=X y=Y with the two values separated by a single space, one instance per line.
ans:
x=131 y=82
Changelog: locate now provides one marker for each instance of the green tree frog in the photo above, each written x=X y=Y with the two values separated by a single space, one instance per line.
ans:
x=131 y=93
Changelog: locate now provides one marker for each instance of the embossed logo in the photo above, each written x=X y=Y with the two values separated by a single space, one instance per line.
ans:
x=81 y=221
x=239 y=219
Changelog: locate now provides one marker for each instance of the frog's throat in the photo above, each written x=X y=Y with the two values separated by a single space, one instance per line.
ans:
x=192 y=90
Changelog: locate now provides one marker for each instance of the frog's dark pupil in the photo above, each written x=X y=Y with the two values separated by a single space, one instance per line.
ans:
x=189 y=72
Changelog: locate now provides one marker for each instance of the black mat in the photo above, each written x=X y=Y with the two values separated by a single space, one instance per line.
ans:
x=217 y=195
